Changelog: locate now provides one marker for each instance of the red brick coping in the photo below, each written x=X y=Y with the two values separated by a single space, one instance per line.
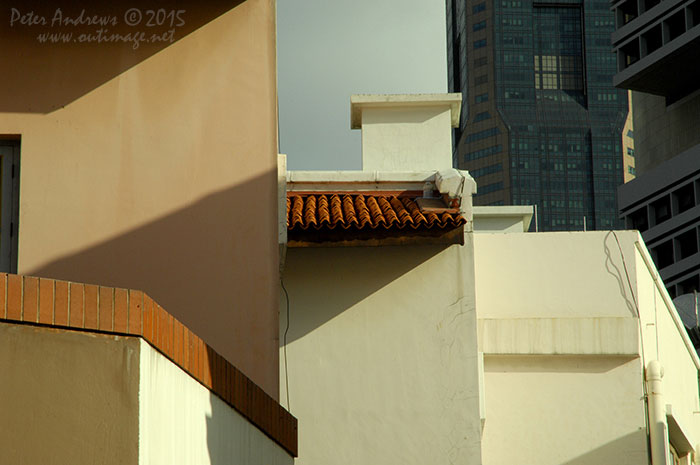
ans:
x=63 y=304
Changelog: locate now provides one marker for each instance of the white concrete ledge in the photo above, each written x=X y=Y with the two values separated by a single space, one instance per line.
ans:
x=559 y=336
x=511 y=218
x=360 y=101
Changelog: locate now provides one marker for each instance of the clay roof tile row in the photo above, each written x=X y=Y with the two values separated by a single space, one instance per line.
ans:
x=331 y=211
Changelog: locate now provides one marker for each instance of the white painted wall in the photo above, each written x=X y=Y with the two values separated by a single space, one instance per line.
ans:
x=182 y=422
x=507 y=219
x=406 y=132
x=382 y=357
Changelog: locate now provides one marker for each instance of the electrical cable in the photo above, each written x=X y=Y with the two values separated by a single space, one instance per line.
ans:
x=284 y=346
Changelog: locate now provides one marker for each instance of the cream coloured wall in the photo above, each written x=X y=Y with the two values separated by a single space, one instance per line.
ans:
x=542 y=300
x=556 y=410
x=182 y=422
x=155 y=169
x=545 y=275
x=563 y=380
x=381 y=354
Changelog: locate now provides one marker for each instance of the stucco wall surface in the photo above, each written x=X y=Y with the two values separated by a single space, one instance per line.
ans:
x=139 y=166
x=396 y=139
x=68 y=397
x=381 y=354
x=550 y=275
x=557 y=294
x=557 y=410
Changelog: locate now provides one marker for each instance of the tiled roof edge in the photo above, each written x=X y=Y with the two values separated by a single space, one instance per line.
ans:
x=88 y=307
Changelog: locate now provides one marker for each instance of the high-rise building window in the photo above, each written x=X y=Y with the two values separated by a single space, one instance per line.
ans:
x=558 y=53
x=544 y=64
x=489 y=188
x=480 y=43
x=483 y=134
x=495 y=168
x=475 y=155
x=484 y=115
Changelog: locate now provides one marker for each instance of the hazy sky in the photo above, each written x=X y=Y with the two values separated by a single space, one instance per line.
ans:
x=330 y=49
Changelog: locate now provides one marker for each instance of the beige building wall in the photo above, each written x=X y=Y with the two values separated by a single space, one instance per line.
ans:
x=154 y=168
x=381 y=354
x=68 y=397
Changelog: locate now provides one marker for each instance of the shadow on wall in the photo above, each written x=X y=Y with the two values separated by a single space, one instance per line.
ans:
x=100 y=40
x=620 y=271
x=342 y=277
x=240 y=434
x=631 y=448
x=206 y=264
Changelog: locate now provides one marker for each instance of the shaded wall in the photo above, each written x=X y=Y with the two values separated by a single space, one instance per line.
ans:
x=57 y=390
x=661 y=132
x=153 y=168
x=381 y=354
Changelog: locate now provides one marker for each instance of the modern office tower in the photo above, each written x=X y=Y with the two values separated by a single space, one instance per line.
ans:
x=664 y=205
x=541 y=122
x=629 y=162
x=656 y=45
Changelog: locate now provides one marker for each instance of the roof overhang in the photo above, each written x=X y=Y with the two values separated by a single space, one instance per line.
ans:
x=362 y=101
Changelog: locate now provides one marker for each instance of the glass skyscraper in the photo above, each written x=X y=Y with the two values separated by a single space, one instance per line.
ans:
x=541 y=121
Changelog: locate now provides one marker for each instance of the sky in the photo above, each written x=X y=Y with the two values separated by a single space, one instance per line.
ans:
x=328 y=50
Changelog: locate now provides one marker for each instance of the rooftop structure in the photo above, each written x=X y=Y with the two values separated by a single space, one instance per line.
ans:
x=422 y=351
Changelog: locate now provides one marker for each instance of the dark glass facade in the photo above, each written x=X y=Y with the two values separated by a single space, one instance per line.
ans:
x=541 y=122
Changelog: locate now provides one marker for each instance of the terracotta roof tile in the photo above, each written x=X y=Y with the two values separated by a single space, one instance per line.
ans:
x=363 y=212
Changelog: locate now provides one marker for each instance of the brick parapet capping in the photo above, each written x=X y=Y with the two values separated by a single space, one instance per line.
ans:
x=77 y=306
